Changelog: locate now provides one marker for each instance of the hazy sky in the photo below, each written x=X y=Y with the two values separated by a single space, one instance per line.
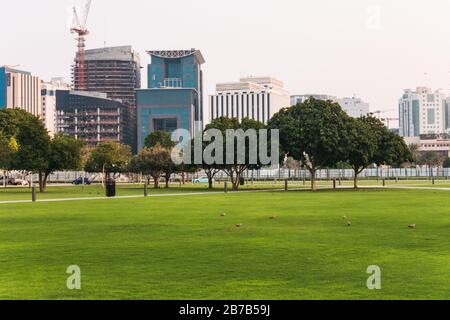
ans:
x=372 y=49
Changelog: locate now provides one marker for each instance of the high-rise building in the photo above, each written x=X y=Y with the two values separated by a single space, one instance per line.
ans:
x=174 y=98
x=20 y=90
x=354 y=107
x=257 y=98
x=115 y=71
x=423 y=112
x=49 y=102
x=90 y=117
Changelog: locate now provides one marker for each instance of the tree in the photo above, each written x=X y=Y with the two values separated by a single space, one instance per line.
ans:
x=151 y=162
x=34 y=146
x=64 y=154
x=108 y=157
x=362 y=146
x=236 y=169
x=162 y=138
x=312 y=132
x=292 y=164
x=446 y=163
x=8 y=147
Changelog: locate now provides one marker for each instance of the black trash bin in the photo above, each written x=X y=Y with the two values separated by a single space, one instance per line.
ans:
x=242 y=181
x=110 y=188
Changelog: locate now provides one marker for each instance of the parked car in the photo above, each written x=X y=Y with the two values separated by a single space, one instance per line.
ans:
x=79 y=181
x=21 y=182
x=201 y=180
x=9 y=181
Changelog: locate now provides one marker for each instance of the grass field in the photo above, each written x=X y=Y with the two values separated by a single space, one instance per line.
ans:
x=182 y=248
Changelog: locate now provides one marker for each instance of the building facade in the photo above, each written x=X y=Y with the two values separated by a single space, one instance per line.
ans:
x=257 y=98
x=90 y=117
x=423 y=112
x=48 y=94
x=20 y=90
x=174 y=98
x=354 y=107
x=115 y=71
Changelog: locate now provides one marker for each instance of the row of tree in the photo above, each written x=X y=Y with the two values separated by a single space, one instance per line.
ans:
x=316 y=134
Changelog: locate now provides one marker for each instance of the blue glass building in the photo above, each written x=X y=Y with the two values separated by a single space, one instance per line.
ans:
x=3 y=84
x=174 y=98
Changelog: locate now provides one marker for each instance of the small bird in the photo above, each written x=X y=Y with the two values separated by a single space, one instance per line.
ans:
x=223 y=214
x=273 y=217
x=349 y=223
x=239 y=225
x=412 y=226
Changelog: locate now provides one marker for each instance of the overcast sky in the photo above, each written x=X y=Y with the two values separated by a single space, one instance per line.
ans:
x=372 y=49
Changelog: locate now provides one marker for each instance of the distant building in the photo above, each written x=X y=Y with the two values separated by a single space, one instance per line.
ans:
x=90 y=117
x=174 y=98
x=257 y=98
x=115 y=71
x=20 y=90
x=354 y=107
x=423 y=112
x=48 y=94
x=438 y=145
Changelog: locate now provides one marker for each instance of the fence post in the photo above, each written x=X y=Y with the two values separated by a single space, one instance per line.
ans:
x=225 y=187
x=384 y=182
x=33 y=193
x=334 y=183
x=286 y=185
x=145 y=189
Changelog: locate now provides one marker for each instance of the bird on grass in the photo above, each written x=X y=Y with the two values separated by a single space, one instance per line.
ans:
x=412 y=226
x=239 y=225
x=348 y=222
x=223 y=214
x=273 y=217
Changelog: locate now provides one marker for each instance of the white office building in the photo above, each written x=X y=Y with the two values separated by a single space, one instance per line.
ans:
x=354 y=107
x=257 y=98
x=423 y=112
x=49 y=102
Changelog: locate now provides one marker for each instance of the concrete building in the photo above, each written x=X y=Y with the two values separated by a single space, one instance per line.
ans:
x=115 y=71
x=89 y=116
x=438 y=145
x=423 y=112
x=257 y=98
x=20 y=90
x=354 y=107
x=48 y=94
x=174 y=98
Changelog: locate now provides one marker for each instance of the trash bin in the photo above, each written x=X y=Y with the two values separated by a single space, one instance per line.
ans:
x=242 y=181
x=110 y=188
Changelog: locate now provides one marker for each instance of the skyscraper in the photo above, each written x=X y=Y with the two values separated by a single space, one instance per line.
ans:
x=422 y=112
x=115 y=71
x=174 y=98
x=20 y=90
x=257 y=98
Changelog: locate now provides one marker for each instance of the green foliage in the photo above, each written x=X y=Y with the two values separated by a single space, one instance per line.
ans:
x=108 y=157
x=236 y=170
x=313 y=132
x=152 y=162
x=446 y=163
x=162 y=138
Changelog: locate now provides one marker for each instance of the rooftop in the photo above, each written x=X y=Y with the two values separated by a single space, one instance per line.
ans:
x=176 y=54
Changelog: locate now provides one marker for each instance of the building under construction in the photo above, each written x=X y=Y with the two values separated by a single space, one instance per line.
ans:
x=90 y=117
x=115 y=71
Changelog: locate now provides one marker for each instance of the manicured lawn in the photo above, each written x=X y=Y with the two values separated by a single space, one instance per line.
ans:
x=182 y=248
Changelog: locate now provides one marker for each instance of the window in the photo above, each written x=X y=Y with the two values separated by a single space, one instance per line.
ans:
x=165 y=124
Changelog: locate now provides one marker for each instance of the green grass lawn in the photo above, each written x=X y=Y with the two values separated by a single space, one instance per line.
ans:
x=182 y=248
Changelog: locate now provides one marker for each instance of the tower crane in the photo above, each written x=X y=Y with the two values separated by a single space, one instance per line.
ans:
x=79 y=28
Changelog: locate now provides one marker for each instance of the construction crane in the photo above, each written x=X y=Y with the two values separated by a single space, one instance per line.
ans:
x=79 y=28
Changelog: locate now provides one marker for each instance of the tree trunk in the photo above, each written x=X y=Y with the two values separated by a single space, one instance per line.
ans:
x=156 y=179
x=167 y=177
x=183 y=178
x=313 y=179
x=355 y=179
x=41 y=182
x=44 y=182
